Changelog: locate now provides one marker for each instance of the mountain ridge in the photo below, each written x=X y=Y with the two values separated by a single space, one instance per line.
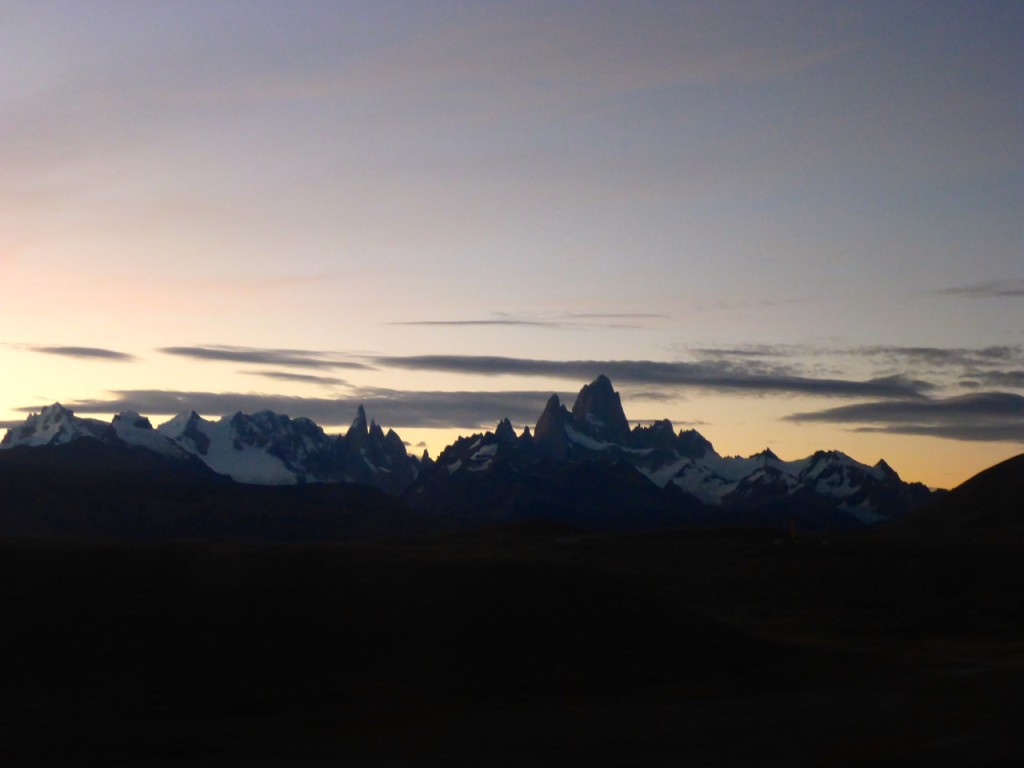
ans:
x=826 y=489
x=262 y=448
x=685 y=473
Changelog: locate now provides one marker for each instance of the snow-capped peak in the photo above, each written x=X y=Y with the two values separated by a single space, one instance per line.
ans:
x=53 y=425
x=133 y=429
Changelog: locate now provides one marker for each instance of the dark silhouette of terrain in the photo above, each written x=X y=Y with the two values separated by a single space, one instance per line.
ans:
x=590 y=495
x=992 y=500
x=91 y=490
x=535 y=644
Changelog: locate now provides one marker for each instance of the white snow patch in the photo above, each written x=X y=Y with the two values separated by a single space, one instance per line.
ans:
x=865 y=513
x=486 y=452
x=707 y=486
x=664 y=473
x=126 y=430
x=246 y=464
x=586 y=442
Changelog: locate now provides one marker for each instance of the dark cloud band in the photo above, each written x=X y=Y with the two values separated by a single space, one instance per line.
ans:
x=287 y=358
x=985 y=416
x=509 y=322
x=992 y=289
x=713 y=375
x=448 y=410
x=300 y=378
x=89 y=353
x=567 y=320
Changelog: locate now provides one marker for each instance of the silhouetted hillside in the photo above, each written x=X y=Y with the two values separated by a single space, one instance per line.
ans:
x=991 y=500
x=88 y=489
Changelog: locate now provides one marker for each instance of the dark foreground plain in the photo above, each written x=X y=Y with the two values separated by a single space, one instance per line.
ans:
x=528 y=646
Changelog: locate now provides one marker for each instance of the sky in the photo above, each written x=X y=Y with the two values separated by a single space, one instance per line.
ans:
x=794 y=225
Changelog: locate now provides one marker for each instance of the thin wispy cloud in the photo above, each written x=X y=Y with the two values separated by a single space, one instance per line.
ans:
x=504 y=322
x=779 y=359
x=709 y=375
x=997 y=366
x=985 y=416
x=654 y=396
x=994 y=366
x=753 y=351
x=933 y=355
x=620 y=320
x=89 y=353
x=300 y=378
x=1001 y=379
x=731 y=305
x=805 y=61
x=287 y=358
x=990 y=289
x=944 y=356
x=618 y=315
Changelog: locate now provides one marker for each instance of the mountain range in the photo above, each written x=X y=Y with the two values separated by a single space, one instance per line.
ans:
x=585 y=466
x=262 y=448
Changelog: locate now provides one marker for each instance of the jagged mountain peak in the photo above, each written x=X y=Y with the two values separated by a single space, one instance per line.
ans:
x=691 y=443
x=598 y=410
x=132 y=418
x=53 y=412
x=185 y=417
x=829 y=455
x=505 y=432
x=549 y=434
x=662 y=425
x=53 y=425
x=660 y=435
x=602 y=384
x=359 y=423
x=554 y=412
x=180 y=424
x=131 y=428
x=269 y=427
x=883 y=468
x=358 y=433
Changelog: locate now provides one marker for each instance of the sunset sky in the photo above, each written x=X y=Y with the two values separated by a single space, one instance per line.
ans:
x=794 y=225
